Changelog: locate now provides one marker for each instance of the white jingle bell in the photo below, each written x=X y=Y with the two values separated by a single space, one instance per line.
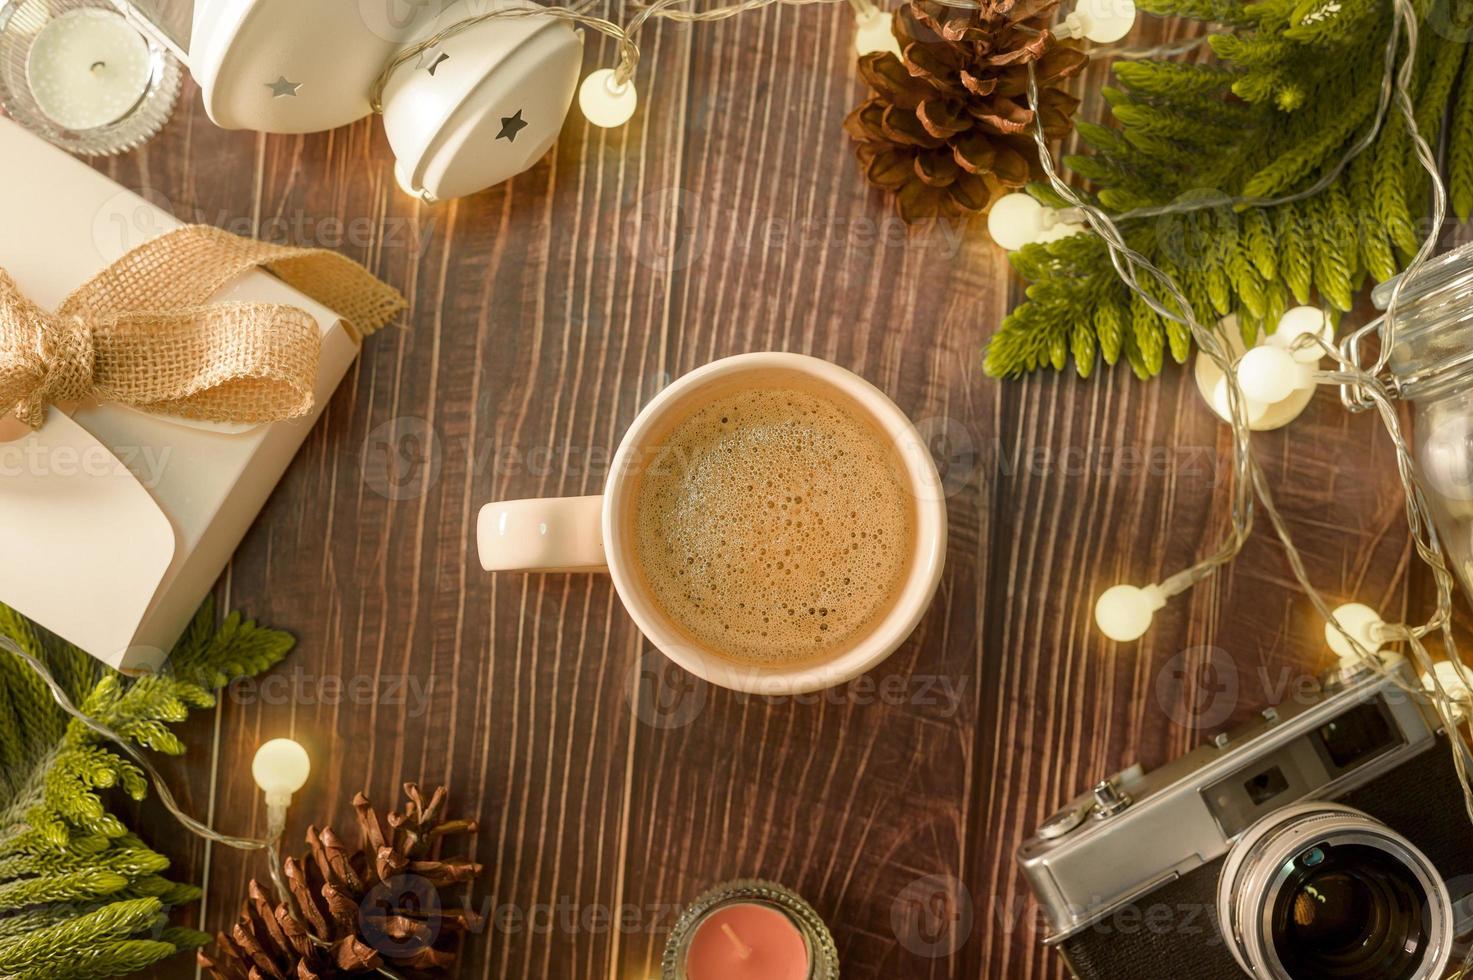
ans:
x=265 y=65
x=485 y=107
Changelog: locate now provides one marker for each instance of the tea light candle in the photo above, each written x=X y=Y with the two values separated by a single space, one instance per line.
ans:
x=747 y=942
x=750 y=930
x=88 y=68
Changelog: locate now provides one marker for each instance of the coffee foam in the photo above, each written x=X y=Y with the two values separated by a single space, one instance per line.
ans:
x=774 y=526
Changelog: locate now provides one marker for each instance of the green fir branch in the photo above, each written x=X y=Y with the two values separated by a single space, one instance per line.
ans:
x=81 y=896
x=1294 y=86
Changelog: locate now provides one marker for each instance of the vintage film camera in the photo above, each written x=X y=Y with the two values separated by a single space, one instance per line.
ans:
x=1327 y=839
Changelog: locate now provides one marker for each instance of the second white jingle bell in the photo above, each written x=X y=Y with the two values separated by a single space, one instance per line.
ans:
x=492 y=108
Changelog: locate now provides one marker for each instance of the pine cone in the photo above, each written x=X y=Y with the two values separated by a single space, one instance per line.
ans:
x=377 y=906
x=948 y=129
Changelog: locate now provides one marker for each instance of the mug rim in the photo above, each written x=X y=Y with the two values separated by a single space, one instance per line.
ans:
x=915 y=594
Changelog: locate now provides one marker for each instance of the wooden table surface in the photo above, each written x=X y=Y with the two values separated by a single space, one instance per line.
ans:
x=729 y=216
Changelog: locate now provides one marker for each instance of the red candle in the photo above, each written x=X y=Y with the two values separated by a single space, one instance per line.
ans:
x=747 y=942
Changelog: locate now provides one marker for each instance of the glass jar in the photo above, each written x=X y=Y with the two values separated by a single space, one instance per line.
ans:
x=1432 y=362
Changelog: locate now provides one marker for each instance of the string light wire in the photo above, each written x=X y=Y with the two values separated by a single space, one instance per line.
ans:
x=166 y=797
x=1375 y=391
x=622 y=34
x=271 y=843
x=1361 y=387
x=1170 y=49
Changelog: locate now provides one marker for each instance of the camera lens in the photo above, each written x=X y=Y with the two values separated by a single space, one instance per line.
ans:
x=1350 y=911
x=1319 y=891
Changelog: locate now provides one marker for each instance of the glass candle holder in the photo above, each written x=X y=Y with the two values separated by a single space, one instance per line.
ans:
x=750 y=928
x=83 y=76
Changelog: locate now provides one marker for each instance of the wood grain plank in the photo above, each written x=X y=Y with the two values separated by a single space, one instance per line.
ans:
x=728 y=216
x=853 y=798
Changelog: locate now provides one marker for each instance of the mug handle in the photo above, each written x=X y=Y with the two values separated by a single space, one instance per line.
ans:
x=545 y=534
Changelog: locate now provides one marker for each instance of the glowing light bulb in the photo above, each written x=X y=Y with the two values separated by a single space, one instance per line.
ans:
x=606 y=101
x=1059 y=229
x=1360 y=621
x=1269 y=375
x=1124 y=612
x=1014 y=221
x=1220 y=404
x=1101 y=21
x=280 y=768
x=872 y=33
x=1017 y=219
x=1296 y=323
x=1455 y=684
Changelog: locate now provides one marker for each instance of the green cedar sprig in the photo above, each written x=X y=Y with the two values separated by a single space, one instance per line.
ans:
x=81 y=896
x=1294 y=84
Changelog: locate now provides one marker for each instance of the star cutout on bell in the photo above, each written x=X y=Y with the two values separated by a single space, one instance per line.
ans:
x=281 y=88
x=432 y=57
x=511 y=126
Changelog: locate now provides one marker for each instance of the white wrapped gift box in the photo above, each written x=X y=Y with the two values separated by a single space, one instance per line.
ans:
x=116 y=523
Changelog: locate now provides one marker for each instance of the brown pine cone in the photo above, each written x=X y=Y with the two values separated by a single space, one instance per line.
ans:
x=357 y=910
x=948 y=129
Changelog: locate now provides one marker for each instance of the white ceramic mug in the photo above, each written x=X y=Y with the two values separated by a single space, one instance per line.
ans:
x=594 y=534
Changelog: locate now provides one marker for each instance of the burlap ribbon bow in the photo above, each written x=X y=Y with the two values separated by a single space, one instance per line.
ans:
x=142 y=332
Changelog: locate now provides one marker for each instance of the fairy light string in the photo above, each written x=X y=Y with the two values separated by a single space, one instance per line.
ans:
x=276 y=824
x=1362 y=387
x=623 y=35
x=678 y=11
x=1369 y=387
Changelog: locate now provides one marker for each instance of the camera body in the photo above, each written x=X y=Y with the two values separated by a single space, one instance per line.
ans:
x=1128 y=876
